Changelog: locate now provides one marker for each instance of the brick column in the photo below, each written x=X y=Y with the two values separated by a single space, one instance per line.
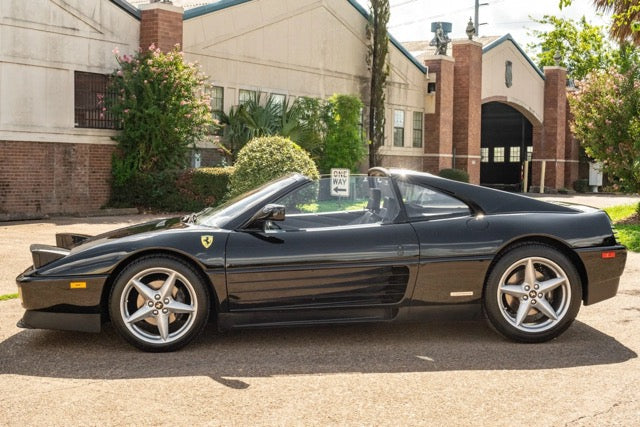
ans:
x=438 y=126
x=467 y=107
x=160 y=24
x=551 y=146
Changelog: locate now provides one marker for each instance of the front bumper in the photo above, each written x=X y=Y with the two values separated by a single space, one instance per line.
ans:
x=603 y=274
x=64 y=303
x=44 y=292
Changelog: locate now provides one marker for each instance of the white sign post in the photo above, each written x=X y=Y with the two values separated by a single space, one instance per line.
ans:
x=340 y=182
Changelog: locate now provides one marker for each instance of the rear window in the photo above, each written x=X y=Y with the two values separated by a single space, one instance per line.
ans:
x=425 y=203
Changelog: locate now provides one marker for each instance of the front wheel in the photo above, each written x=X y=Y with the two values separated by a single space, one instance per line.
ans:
x=159 y=303
x=533 y=293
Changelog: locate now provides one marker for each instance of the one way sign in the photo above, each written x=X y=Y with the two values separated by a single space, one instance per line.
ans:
x=340 y=182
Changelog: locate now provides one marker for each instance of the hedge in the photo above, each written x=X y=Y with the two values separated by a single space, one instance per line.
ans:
x=174 y=191
x=454 y=174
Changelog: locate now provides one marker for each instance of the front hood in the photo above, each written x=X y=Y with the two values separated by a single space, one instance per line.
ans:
x=154 y=226
x=100 y=254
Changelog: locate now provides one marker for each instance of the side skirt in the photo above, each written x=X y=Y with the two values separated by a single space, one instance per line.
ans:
x=287 y=318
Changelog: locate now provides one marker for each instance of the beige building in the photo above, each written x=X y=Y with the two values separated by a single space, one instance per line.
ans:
x=55 y=141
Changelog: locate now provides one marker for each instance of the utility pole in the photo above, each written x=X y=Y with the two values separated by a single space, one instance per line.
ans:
x=476 y=22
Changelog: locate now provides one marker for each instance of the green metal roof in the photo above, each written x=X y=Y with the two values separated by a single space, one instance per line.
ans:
x=131 y=10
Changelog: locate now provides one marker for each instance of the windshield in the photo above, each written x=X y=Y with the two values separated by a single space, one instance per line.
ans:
x=220 y=215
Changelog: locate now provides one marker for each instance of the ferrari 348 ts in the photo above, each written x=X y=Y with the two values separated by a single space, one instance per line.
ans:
x=393 y=245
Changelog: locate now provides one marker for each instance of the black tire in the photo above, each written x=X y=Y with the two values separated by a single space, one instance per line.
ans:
x=159 y=303
x=525 y=312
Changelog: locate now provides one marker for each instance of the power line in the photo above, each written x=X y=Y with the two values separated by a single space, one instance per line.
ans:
x=404 y=2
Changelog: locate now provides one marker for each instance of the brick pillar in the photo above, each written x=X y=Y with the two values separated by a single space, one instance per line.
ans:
x=438 y=126
x=467 y=107
x=552 y=144
x=160 y=24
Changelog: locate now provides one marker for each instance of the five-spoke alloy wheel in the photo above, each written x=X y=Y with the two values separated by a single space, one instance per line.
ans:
x=159 y=303
x=533 y=293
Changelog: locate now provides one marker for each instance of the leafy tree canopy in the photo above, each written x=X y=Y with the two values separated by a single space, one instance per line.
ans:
x=581 y=47
x=625 y=24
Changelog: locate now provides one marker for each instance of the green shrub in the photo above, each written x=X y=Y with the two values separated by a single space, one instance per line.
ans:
x=344 y=147
x=454 y=174
x=267 y=158
x=205 y=186
x=581 y=185
x=174 y=190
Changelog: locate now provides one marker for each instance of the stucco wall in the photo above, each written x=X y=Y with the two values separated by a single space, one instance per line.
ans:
x=527 y=90
x=298 y=48
x=42 y=43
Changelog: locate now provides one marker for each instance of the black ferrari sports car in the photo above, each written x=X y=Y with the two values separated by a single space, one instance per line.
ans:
x=393 y=245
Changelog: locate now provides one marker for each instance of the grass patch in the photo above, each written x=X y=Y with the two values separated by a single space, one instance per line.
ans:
x=8 y=297
x=629 y=235
x=628 y=228
x=617 y=213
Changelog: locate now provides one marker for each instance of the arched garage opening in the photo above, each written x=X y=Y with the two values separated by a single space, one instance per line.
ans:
x=506 y=142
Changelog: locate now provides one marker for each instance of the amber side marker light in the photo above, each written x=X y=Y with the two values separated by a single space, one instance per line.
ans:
x=608 y=254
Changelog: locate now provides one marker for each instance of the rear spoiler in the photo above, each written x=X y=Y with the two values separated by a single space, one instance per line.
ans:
x=70 y=240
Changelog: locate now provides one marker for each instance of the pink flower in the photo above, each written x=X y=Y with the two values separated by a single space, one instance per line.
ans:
x=115 y=50
x=126 y=111
x=183 y=102
x=152 y=46
x=119 y=73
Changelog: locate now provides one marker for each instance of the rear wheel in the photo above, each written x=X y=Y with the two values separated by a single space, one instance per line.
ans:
x=159 y=303
x=533 y=293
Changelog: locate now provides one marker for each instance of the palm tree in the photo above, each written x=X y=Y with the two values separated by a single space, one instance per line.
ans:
x=235 y=133
x=626 y=18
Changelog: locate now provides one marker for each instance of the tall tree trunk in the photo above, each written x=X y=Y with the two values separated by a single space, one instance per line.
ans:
x=378 y=20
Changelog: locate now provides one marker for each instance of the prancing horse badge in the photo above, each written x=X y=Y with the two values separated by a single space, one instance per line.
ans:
x=206 y=241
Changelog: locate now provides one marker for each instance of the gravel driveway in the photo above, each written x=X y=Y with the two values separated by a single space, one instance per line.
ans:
x=455 y=373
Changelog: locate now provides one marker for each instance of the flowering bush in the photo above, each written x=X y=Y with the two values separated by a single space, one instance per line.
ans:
x=163 y=109
x=606 y=111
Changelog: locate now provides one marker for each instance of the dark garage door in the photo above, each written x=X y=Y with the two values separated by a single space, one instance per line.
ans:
x=506 y=142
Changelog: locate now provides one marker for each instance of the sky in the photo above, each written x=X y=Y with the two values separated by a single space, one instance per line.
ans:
x=410 y=19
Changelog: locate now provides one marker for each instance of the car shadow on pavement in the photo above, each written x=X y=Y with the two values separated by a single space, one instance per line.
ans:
x=374 y=348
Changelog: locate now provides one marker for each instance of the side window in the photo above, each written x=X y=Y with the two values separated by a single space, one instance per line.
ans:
x=424 y=203
x=370 y=200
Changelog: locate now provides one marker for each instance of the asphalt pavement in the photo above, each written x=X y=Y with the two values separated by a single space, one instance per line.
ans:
x=448 y=373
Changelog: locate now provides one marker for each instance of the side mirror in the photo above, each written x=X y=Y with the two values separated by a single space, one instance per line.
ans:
x=270 y=212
